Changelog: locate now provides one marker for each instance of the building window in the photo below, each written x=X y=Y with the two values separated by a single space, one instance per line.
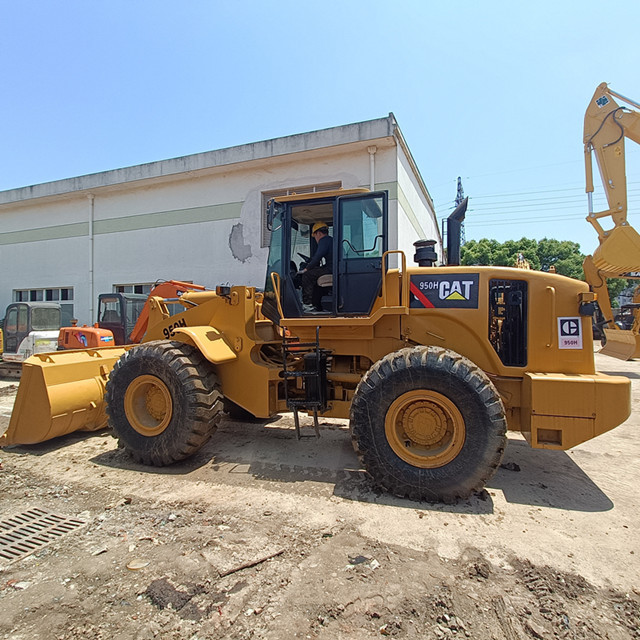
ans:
x=62 y=295
x=141 y=287
x=267 y=195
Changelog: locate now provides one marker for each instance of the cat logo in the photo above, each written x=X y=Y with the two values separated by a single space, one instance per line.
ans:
x=453 y=290
x=570 y=333
x=459 y=291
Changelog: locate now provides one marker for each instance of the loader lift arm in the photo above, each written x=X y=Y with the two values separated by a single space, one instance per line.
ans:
x=606 y=125
x=162 y=289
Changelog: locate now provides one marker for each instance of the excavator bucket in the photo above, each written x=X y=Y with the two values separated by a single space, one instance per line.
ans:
x=59 y=393
x=621 y=344
x=620 y=252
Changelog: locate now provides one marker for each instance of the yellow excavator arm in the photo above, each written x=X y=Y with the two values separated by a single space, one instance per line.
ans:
x=606 y=126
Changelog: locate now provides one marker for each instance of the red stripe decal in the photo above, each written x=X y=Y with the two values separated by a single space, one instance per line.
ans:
x=421 y=297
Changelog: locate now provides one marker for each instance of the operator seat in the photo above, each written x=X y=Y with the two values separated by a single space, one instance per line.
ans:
x=110 y=316
x=324 y=287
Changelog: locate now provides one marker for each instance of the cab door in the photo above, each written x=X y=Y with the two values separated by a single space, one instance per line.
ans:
x=361 y=239
x=16 y=327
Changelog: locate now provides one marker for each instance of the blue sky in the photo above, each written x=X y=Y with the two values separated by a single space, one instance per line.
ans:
x=494 y=92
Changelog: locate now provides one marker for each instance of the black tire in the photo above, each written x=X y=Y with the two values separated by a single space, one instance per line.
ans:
x=428 y=424
x=163 y=402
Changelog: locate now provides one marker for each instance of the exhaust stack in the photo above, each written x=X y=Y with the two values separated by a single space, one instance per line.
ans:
x=454 y=223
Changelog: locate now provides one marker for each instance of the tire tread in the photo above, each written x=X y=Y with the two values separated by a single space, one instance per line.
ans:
x=190 y=378
x=409 y=368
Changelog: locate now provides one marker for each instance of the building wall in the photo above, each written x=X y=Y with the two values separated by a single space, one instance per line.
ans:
x=203 y=226
x=416 y=216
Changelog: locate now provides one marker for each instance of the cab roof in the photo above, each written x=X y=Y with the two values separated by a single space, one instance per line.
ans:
x=294 y=197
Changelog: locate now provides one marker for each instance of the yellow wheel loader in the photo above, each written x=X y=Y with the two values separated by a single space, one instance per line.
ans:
x=606 y=125
x=431 y=364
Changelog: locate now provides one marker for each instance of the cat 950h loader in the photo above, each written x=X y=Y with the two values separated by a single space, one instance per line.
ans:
x=431 y=364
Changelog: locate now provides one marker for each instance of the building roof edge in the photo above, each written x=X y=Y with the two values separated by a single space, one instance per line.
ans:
x=320 y=139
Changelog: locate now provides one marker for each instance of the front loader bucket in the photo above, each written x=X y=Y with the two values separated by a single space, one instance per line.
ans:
x=59 y=393
x=621 y=344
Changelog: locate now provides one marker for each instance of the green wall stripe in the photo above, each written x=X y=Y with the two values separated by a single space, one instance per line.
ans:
x=169 y=218
x=391 y=187
x=413 y=218
x=127 y=223
x=76 y=230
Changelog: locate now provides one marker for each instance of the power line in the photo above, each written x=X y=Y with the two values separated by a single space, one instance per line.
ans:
x=533 y=208
x=540 y=191
x=558 y=202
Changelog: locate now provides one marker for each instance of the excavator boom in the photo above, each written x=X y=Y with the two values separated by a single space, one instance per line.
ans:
x=606 y=126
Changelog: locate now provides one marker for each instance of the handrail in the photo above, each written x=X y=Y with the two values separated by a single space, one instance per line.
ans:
x=552 y=315
x=404 y=286
x=275 y=281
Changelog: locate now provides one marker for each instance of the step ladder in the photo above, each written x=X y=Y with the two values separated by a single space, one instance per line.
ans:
x=314 y=378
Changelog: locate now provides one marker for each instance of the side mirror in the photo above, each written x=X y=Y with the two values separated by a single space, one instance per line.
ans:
x=273 y=209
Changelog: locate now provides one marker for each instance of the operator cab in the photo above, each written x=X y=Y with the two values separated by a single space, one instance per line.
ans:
x=118 y=312
x=357 y=223
x=30 y=327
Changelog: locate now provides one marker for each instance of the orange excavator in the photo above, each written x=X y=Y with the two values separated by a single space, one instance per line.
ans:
x=122 y=317
x=606 y=125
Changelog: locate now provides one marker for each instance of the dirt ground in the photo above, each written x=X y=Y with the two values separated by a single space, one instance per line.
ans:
x=263 y=536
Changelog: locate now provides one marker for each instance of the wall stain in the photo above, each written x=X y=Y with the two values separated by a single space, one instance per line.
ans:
x=239 y=249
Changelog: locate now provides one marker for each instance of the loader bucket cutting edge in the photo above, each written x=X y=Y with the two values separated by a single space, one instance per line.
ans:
x=59 y=393
x=621 y=343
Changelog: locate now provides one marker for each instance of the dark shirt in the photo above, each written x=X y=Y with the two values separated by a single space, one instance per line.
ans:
x=324 y=250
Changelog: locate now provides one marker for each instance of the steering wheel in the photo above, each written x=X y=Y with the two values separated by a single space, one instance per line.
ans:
x=305 y=258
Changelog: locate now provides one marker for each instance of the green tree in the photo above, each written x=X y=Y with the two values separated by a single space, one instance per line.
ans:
x=616 y=286
x=563 y=255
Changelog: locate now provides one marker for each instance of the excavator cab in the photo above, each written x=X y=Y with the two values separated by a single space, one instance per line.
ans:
x=118 y=312
x=30 y=327
x=358 y=225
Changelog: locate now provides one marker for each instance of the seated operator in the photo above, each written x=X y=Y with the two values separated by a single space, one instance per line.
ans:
x=313 y=270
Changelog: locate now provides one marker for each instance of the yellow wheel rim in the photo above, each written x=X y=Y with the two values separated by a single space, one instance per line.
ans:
x=148 y=405
x=425 y=428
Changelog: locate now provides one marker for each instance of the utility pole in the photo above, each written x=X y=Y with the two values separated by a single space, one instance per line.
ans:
x=459 y=199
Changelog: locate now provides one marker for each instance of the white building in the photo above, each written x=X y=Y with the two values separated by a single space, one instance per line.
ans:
x=199 y=218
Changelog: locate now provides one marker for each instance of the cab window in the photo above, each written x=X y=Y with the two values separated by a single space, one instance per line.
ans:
x=362 y=228
x=110 y=310
x=45 y=319
x=11 y=323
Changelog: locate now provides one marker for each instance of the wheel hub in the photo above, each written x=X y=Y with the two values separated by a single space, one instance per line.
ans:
x=425 y=428
x=155 y=403
x=148 y=405
x=425 y=423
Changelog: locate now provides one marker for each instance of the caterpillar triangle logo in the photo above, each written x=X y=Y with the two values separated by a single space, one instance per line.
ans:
x=455 y=296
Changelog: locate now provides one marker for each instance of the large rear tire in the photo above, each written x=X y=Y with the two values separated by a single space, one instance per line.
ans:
x=163 y=402
x=428 y=424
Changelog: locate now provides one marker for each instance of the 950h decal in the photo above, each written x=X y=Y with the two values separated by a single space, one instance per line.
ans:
x=456 y=291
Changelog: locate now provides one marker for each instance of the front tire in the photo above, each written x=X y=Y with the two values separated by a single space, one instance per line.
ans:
x=163 y=402
x=428 y=424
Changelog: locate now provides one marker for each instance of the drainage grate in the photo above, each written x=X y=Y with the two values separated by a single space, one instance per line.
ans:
x=25 y=533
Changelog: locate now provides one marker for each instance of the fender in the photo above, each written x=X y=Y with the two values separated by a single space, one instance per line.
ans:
x=208 y=340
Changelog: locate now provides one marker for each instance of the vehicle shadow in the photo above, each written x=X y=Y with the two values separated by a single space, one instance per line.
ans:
x=632 y=375
x=55 y=444
x=270 y=452
x=548 y=479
